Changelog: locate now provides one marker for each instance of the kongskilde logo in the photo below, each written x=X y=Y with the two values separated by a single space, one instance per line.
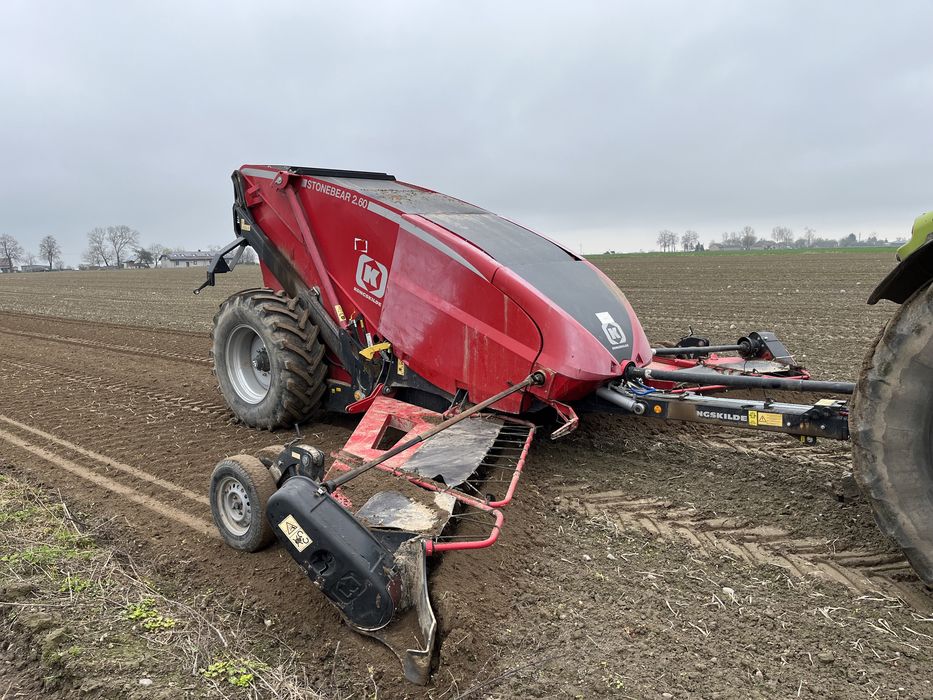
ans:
x=371 y=278
x=614 y=333
x=720 y=415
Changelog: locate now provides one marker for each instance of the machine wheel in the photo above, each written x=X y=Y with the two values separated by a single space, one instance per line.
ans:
x=891 y=425
x=268 y=359
x=240 y=489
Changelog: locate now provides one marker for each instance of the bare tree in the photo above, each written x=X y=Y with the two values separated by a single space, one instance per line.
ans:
x=249 y=256
x=782 y=235
x=121 y=238
x=98 y=251
x=144 y=256
x=10 y=249
x=667 y=240
x=689 y=240
x=29 y=258
x=158 y=250
x=748 y=237
x=730 y=239
x=809 y=235
x=49 y=250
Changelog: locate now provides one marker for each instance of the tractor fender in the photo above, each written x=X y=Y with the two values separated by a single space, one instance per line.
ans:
x=911 y=274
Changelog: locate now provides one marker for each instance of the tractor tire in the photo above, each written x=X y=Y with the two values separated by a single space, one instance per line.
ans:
x=240 y=489
x=268 y=359
x=891 y=425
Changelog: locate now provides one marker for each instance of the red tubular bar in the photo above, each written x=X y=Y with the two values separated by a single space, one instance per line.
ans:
x=480 y=504
x=299 y=213
x=516 y=475
x=432 y=547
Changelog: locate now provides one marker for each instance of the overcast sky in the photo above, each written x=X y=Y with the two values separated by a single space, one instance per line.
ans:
x=595 y=123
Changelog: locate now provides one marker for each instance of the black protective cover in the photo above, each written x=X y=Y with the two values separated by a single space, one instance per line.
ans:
x=342 y=558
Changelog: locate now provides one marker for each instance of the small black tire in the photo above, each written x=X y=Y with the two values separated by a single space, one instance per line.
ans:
x=891 y=426
x=268 y=359
x=240 y=490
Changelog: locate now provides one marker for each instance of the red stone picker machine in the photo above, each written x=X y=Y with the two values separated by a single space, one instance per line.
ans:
x=456 y=333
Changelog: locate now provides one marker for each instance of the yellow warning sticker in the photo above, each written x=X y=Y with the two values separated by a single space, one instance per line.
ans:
x=401 y=368
x=753 y=418
x=298 y=537
x=773 y=419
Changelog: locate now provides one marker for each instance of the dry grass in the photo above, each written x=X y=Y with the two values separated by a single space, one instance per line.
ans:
x=110 y=620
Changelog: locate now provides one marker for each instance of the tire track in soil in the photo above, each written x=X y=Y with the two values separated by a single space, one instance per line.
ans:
x=109 y=462
x=85 y=326
x=169 y=512
x=166 y=399
x=861 y=571
x=99 y=345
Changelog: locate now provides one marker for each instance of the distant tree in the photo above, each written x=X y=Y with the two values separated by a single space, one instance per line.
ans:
x=249 y=256
x=731 y=239
x=144 y=257
x=667 y=240
x=121 y=239
x=49 y=250
x=810 y=235
x=690 y=240
x=98 y=250
x=748 y=237
x=158 y=250
x=29 y=258
x=10 y=249
x=782 y=235
x=849 y=240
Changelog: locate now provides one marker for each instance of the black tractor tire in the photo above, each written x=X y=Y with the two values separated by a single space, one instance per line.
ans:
x=891 y=425
x=240 y=490
x=268 y=359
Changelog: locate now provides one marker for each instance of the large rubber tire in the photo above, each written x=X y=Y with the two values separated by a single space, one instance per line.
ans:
x=891 y=426
x=268 y=359
x=240 y=490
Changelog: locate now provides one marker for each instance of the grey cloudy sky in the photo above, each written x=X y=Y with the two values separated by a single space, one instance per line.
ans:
x=595 y=123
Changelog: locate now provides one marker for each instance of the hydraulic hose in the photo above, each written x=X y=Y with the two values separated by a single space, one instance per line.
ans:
x=737 y=380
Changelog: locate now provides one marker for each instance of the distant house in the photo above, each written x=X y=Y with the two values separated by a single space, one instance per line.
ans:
x=34 y=268
x=186 y=258
x=5 y=265
x=134 y=265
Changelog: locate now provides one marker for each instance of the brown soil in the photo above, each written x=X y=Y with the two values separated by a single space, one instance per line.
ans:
x=637 y=560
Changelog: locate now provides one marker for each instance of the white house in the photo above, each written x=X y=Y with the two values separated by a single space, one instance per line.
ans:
x=185 y=258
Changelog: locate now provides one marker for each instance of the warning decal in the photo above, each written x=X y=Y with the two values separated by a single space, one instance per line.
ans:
x=772 y=419
x=756 y=418
x=298 y=537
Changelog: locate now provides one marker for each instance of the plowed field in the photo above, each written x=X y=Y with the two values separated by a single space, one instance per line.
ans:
x=638 y=560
